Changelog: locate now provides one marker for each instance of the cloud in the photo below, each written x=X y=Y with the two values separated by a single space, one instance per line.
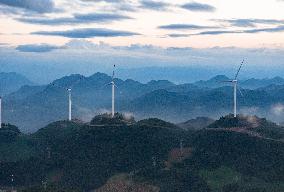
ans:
x=250 y=22
x=177 y=35
x=87 y=33
x=154 y=5
x=198 y=7
x=100 y=17
x=37 y=48
x=277 y=109
x=40 y=6
x=219 y=32
x=117 y=5
x=77 y=19
x=185 y=27
x=107 y=1
x=279 y=28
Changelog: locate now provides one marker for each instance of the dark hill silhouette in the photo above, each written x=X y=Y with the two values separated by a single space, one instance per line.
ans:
x=8 y=133
x=76 y=156
x=196 y=124
x=107 y=119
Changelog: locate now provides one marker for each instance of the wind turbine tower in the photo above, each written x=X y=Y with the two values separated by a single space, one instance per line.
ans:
x=113 y=85
x=69 y=91
x=70 y=104
x=235 y=84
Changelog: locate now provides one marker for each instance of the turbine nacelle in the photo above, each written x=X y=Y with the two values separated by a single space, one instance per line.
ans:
x=230 y=81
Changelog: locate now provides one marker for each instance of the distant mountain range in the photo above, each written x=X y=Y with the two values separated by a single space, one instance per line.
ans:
x=10 y=82
x=245 y=84
x=32 y=107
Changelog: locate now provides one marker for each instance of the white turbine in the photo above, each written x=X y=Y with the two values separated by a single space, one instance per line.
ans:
x=0 y=112
x=70 y=104
x=113 y=85
x=235 y=84
x=69 y=91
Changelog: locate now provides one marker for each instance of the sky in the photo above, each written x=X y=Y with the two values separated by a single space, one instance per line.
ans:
x=140 y=32
x=183 y=23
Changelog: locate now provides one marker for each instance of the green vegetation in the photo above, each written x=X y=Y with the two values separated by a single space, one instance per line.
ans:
x=226 y=179
x=254 y=124
x=107 y=119
x=156 y=122
x=220 y=177
x=72 y=156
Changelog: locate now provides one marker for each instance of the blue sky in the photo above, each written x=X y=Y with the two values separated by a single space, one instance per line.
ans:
x=140 y=33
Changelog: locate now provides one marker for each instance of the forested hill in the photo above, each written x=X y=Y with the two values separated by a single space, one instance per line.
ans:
x=118 y=154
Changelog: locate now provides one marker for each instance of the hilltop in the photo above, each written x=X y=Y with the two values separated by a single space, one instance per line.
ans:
x=253 y=125
x=107 y=119
x=196 y=124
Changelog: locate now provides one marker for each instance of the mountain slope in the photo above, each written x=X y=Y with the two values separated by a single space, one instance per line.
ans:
x=33 y=107
x=145 y=156
x=196 y=124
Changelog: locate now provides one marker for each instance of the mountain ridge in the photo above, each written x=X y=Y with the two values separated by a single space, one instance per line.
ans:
x=162 y=99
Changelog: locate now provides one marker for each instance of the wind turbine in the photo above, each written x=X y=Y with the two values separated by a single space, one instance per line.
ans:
x=235 y=84
x=70 y=104
x=113 y=85
x=69 y=91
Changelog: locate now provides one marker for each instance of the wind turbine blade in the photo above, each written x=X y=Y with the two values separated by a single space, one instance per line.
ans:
x=236 y=76
x=113 y=72
x=227 y=81
x=241 y=92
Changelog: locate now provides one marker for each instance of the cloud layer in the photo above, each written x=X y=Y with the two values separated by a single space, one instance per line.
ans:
x=198 y=7
x=41 y=6
x=37 y=48
x=279 y=28
x=87 y=33
x=185 y=27
x=77 y=19
x=251 y=22
x=154 y=5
